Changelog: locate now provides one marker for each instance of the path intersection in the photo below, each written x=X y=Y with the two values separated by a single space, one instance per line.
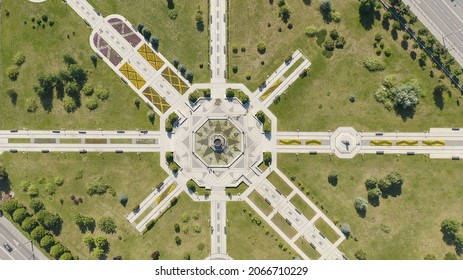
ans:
x=218 y=142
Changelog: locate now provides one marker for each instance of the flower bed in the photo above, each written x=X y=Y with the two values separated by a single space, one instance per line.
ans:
x=165 y=194
x=433 y=143
x=271 y=89
x=381 y=143
x=126 y=31
x=290 y=142
x=313 y=142
x=407 y=143
x=106 y=50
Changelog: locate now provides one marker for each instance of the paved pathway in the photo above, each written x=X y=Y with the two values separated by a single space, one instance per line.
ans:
x=218 y=33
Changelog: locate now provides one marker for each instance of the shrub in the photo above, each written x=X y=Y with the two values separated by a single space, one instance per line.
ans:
x=345 y=229
x=36 y=205
x=336 y=17
x=387 y=52
x=371 y=182
x=176 y=228
x=333 y=178
x=267 y=158
x=178 y=240
x=311 y=31
x=123 y=199
x=50 y=188
x=19 y=215
x=146 y=32
x=102 y=94
x=29 y=224
x=59 y=181
x=97 y=186
x=10 y=206
x=374 y=194
x=12 y=72
x=378 y=37
x=193 y=97
x=248 y=76
x=69 y=104
x=373 y=64
x=47 y=242
x=360 y=255
x=261 y=48
x=360 y=204
x=19 y=58
x=33 y=191
x=107 y=225
x=172 y=13
x=38 y=233
x=151 y=115
x=31 y=105
x=87 y=89
x=57 y=250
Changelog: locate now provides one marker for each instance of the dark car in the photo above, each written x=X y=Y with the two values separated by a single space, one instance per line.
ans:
x=7 y=247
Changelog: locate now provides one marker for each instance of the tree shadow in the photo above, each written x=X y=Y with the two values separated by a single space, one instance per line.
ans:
x=59 y=88
x=5 y=185
x=362 y=213
x=448 y=239
x=395 y=190
x=327 y=18
x=394 y=34
x=386 y=25
x=57 y=229
x=374 y=201
x=47 y=100
x=321 y=36
x=200 y=26
x=170 y=4
x=366 y=20
x=413 y=55
x=404 y=44
x=333 y=181
x=14 y=98
x=438 y=99
x=405 y=114
x=306 y=2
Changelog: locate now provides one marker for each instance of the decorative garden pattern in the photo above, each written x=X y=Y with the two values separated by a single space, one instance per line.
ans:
x=127 y=32
x=135 y=78
x=148 y=54
x=156 y=99
x=106 y=50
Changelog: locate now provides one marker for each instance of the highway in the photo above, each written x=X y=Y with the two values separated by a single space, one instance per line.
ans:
x=22 y=249
x=444 y=19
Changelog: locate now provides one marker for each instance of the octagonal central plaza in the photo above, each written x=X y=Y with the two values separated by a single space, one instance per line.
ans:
x=218 y=143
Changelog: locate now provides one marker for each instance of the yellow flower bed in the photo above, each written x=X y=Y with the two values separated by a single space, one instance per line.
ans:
x=271 y=89
x=290 y=142
x=433 y=143
x=313 y=142
x=407 y=143
x=381 y=143
x=165 y=194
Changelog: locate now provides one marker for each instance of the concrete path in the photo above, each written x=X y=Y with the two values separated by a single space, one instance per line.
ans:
x=218 y=33
x=218 y=227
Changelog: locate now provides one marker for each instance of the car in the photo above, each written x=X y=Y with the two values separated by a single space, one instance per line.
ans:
x=7 y=247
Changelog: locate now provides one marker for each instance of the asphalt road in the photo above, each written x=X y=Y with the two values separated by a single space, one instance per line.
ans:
x=444 y=18
x=22 y=249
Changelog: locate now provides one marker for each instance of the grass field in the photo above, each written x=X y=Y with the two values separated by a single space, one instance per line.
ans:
x=305 y=209
x=278 y=183
x=304 y=245
x=127 y=242
x=247 y=241
x=259 y=201
x=281 y=223
x=326 y=230
x=430 y=194
x=178 y=38
x=323 y=96
x=44 y=49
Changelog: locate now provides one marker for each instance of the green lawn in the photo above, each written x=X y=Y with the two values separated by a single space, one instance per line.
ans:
x=322 y=97
x=281 y=223
x=260 y=202
x=431 y=193
x=303 y=207
x=178 y=38
x=326 y=230
x=44 y=49
x=304 y=245
x=279 y=183
x=248 y=241
x=126 y=174
x=238 y=190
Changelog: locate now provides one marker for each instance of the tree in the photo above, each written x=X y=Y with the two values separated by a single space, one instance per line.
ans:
x=177 y=227
x=19 y=215
x=193 y=97
x=429 y=257
x=374 y=194
x=360 y=204
x=146 y=33
x=77 y=73
x=459 y=242
x=49 y=220
x=450 y=228
x=151 y=115
x=31 y=105
x=140 y=27
x=94 y=59
x=69 y=104
x=333 y=178
x=367 y=7
x=360 y=255
x=284 y=13
x=261 y=48
x=84 y=223
x=200 y=246
x=13 y=95
x=334 y=34
x=395 y=178
x=107 y=225
x=371 y=183
x=97 y=186
x=182 y=69
x=92 y=104
x=59 y=181
x=66 y=256
x=47 y=242
x=12 y=72
x=88 y=241
x=176 y=62
x=102 y=93
x=57 y=250
x=155 y=42
x=189 y=76
x=155 y=255
x=38 y=233
x=102 y=243
x=267 y=158
x=123 y=199
x=345 y=229
x=326 y=6
x=450 y=256
x=29 y=224
x=69 y=60
x=260 y=116
x=178 y=240
x=10 y=206
x=384 y=185
x=98 y=253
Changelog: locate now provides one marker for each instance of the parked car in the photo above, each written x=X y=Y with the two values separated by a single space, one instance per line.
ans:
x=7 y=247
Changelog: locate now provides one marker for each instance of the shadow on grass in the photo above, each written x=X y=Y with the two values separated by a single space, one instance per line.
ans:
x=200 y=26
x=362 y=214
x=386 y=25
x=438 y=99
x=366 y=20
x=405 y=114
x=374 y=201
x=321 y=36
x=5 y=185
x=404 y=44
